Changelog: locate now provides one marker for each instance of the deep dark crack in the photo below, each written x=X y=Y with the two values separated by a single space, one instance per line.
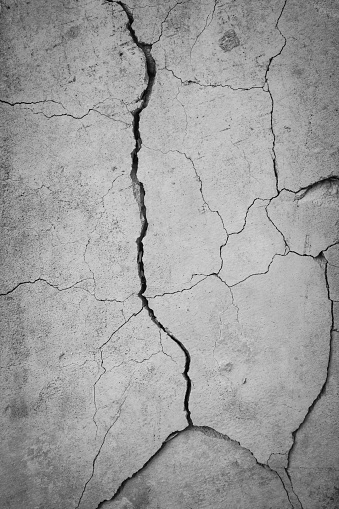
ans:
x=139 y=193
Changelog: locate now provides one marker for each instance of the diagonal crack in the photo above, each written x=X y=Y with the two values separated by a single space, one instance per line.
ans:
x=119 y=490
x=164 y=21
x=102 y=444
x=207 y=24
x=206 y=430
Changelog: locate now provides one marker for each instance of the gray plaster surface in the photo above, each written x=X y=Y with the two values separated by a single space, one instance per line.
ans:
x=169 y=276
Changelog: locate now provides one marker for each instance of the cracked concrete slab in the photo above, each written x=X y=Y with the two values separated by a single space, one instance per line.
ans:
x=189 y=118
x=175 y=199
x=74 y=390
x=169 y=258
x=193 y=469
x=220 y=43
x=251 y=350
x=252 y=249
x=52 y=222
x=138 y=403
x=49 y=363
x=65 y=52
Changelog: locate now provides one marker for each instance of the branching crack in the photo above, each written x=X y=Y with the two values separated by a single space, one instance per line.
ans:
x=208 y=206
x=139 y=193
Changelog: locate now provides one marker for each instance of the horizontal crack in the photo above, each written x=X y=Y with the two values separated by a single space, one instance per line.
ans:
x=54 y=115
x=39 y=279
x=212 y=85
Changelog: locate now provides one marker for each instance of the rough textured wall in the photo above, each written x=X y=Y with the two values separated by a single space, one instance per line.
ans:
x=169 y=254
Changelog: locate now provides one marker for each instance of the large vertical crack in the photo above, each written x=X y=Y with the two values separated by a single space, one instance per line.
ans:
x=139 y=193
x=267 y=88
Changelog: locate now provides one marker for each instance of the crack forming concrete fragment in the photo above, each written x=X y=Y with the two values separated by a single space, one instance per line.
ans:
x=117 y=493
x=321 y=258
x=211 y=433
x=139 y=194
x=205 y=203
x=303 y=191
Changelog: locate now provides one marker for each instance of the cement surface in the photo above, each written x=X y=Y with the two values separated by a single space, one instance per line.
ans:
x=169 y=276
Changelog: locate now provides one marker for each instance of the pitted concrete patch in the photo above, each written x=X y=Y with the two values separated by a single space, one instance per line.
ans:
x=64 y=51
x=229 y=40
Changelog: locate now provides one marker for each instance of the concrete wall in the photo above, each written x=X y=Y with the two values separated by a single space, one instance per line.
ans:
x=169 y=254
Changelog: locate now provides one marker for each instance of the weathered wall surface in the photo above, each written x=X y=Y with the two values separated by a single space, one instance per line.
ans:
x=169 y=254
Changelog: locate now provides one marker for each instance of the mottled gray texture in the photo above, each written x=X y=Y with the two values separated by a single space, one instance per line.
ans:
x=169 y=254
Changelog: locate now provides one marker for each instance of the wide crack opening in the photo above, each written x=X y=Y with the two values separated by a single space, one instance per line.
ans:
x=139 y=193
